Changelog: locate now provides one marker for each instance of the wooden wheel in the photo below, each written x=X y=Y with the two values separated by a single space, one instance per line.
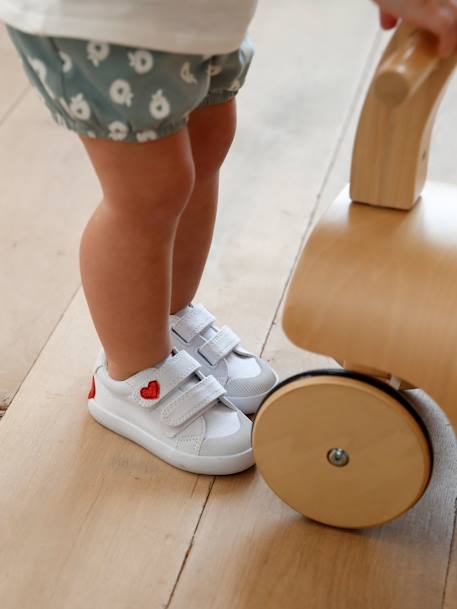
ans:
x=342 y=448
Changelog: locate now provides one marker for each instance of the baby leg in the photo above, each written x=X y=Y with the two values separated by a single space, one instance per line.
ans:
x=127 y=246
x=211 y=130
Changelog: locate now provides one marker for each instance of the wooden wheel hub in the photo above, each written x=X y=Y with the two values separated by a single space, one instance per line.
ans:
x=342 y=450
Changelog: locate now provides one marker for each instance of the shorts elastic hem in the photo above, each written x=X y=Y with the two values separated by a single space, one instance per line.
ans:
x=213 y=99
x=133 y=136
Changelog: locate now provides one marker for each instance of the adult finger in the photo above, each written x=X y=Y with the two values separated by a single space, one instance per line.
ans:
x=443 y=23
x=388 y=21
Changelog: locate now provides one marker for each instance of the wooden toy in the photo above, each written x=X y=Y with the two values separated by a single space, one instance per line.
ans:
x=376 y=289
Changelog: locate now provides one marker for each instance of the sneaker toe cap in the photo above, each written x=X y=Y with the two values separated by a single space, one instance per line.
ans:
x=251 y=386
x=234 y=438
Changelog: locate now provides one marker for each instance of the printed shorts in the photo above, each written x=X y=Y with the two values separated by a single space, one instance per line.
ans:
x=116 y=92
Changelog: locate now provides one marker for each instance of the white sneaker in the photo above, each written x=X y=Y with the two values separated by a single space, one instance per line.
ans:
x=246 y=377
x=175 y=412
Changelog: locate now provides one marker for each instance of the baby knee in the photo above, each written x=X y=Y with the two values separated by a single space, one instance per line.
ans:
x=157 y=197
x=212 y=134
x=208 y=161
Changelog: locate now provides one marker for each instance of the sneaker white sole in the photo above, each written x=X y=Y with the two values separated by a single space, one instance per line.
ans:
x=212 y=466
x=250 y=404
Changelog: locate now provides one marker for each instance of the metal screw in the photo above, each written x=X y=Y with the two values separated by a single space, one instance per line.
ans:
x=338 y=457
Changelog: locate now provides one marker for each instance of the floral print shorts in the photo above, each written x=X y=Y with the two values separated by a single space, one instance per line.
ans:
x=115 y=92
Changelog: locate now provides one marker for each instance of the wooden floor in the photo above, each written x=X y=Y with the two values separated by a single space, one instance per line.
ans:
x=91 y=520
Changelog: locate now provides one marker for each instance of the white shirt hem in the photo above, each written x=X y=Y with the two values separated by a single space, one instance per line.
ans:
x=121 y=33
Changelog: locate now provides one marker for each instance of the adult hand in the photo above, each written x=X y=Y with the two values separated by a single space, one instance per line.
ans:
x=436 y=16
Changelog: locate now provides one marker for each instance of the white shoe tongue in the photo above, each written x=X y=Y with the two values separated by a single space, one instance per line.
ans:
x=183 y=387
x=208 y=333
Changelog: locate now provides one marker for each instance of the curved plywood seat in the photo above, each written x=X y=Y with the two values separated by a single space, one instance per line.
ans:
x=378 y=287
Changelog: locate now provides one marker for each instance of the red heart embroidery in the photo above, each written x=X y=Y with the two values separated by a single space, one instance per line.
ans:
x=151 y=392
x=92 y=390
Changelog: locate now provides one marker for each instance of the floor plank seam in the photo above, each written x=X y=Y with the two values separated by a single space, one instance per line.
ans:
x=189 y=549
x=452 y=557
x=14 y=105
x=346 y=123
x=5 y=407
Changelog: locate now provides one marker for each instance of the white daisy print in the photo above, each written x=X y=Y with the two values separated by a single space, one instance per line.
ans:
x=141 y=61
x=121 y=92
x=91 y=134
x=214 y=70
x=187 y=75
x=159 y=106
x=40 y=70
x=79 y=107
x=97 y=51
x=146 y=136
x=39 y=67
x=67 y=63
x=118 y=130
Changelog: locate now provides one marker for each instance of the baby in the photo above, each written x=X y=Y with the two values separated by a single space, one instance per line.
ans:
x=149 y=86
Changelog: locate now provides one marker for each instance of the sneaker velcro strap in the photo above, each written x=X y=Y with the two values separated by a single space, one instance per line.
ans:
x=194 y=321
x=219 y=346
x=191 y=404
x=176 y=370
x=164 y=379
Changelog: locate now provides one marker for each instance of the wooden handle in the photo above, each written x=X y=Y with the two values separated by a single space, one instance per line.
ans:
x=407 y=68
x=391 y=149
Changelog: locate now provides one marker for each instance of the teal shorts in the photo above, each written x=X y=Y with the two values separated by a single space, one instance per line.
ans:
x=128 y=94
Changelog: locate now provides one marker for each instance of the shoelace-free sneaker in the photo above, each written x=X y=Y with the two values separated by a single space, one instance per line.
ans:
x=177 y=413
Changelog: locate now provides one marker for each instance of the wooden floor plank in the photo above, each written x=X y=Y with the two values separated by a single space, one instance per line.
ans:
x=88 y=519
x=47 y=193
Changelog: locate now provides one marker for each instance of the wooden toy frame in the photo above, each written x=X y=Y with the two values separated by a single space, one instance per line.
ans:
x=375 y=289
